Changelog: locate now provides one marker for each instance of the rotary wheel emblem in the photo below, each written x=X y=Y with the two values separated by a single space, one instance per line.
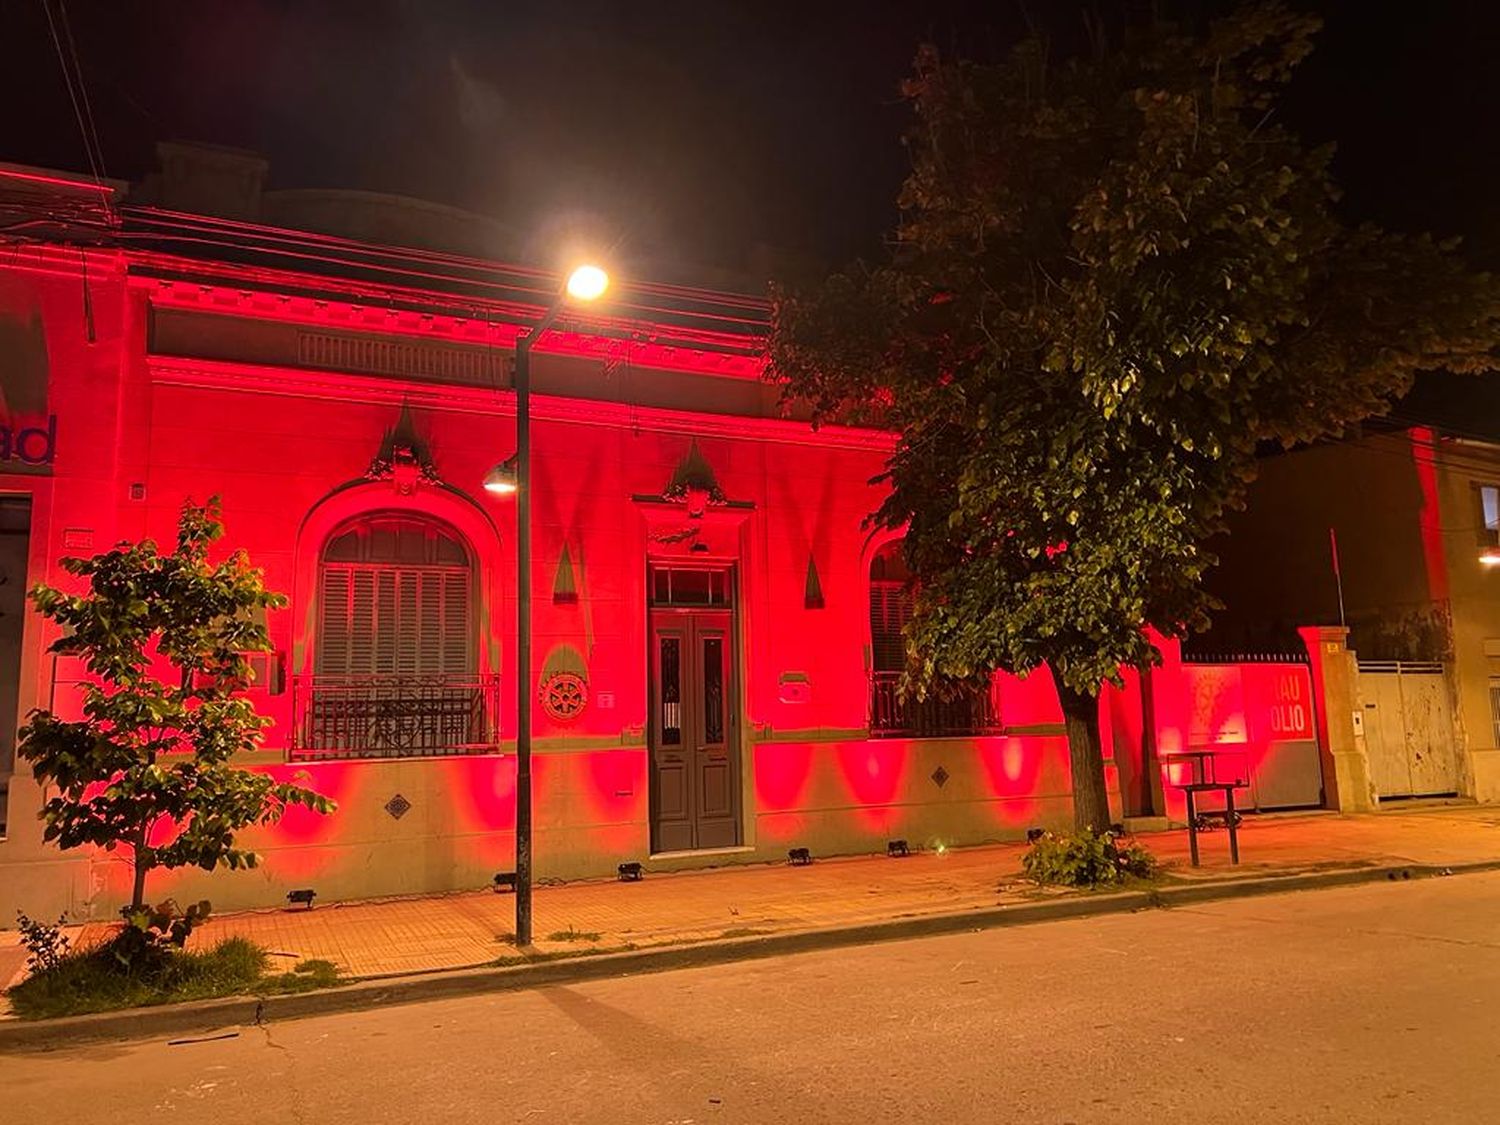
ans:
x=564 y=695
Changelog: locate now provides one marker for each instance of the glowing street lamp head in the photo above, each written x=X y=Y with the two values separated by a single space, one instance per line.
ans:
x=587 y=283
x=1490 y=556
x=502 y=479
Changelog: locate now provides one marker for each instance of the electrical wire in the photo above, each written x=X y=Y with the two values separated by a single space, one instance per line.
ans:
x=77 y=94
x=83 y=91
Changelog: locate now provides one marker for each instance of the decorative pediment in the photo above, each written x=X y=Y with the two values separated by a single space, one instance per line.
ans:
x=692 y=515
x=694 y=483
x=404 y=457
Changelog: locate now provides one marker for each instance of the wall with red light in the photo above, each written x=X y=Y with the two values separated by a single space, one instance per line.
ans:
x=288 y=452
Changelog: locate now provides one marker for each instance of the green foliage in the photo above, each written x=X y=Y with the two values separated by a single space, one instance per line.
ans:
x=1115 y=278
x=1086 y=858
x=306 y=976
x=150 y=933
x=164 y=637
x=46 y=946
x=94 y=980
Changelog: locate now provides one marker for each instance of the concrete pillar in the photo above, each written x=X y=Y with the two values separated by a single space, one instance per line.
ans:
x=1341 y=735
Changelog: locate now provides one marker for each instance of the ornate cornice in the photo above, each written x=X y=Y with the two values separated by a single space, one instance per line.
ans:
x=302 y=383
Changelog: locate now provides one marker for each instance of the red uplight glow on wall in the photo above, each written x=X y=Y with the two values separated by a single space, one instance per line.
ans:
x=781 y=773
x=873 y=771
x=1012 y=767
x=616 y=785
x=485 y=796
x=334 y=780
x=1424 y=458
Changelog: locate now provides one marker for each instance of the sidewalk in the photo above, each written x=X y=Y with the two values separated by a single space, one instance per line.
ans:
x=452 y=931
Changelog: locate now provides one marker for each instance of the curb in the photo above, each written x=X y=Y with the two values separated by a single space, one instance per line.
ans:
x=206 y=1017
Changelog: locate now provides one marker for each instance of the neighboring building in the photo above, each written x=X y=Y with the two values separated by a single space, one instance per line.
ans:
x=716 y=632
x=1415 y=517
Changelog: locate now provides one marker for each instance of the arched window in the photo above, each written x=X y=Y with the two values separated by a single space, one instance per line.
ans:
x=396 y=655
x=951 y=709
x=395 y=597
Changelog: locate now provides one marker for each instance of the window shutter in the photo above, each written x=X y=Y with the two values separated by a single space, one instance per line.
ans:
x=409 y=633
x=396 y=602
x=890 y=610
x=456 y=655
x=334 y=625
x=362 y=623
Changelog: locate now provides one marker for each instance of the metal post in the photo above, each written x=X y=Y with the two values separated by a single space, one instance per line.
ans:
x=523 y=618
x=523 y=638
x=1338 y=575
x=1192 y=817
x=1234 y=841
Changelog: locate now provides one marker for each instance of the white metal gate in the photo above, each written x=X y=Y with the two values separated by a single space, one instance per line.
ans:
x=1409 y=733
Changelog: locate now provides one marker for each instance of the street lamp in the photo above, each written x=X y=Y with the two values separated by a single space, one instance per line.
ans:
x=513 y=475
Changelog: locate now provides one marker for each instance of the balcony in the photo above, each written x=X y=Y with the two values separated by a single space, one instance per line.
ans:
x=394 y=716
x=971 y=712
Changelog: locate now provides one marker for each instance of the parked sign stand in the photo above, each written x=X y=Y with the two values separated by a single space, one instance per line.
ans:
x=1201 y=778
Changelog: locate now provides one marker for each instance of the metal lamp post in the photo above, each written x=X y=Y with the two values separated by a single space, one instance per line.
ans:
x=514 y=476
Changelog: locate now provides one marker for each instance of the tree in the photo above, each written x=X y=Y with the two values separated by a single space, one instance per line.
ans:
x=164 y=637
x=1116 y=277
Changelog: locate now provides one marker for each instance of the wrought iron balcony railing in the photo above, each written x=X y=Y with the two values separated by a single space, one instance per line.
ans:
x=969 y=712
x=394 y=716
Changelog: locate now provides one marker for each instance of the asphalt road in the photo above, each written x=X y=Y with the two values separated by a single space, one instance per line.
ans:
x=1371 y=1004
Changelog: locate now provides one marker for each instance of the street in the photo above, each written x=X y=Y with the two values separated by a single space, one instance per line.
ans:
x=1367 y=1004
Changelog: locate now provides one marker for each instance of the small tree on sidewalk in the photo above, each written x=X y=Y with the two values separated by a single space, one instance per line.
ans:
x=165 y=638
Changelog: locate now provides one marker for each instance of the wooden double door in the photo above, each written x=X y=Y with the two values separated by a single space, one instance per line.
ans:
x=695 y=762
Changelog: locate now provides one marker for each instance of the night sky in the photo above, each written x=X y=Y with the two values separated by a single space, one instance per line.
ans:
x=692 y=130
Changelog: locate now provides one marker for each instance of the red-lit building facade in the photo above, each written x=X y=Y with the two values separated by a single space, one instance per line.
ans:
x=716 y=633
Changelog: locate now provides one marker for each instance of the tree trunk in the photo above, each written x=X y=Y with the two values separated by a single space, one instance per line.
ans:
x=1086 y=756
x=138 y=893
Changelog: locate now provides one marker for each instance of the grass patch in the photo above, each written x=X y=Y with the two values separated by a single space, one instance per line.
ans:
x=743 y=931
x=305 y=976
x=94 y=980
x=560 y=954
x=570 y=934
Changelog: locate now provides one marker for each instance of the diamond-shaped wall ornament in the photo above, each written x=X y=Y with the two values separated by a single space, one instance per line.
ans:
x=398 y=806
x=940 y=777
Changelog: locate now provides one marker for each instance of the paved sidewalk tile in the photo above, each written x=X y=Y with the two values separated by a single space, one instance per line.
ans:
x=450 y=931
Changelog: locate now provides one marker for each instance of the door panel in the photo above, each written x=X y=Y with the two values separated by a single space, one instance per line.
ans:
x=1429 y=733
x=694 y=752
x=1409 y=735
x=671 y=773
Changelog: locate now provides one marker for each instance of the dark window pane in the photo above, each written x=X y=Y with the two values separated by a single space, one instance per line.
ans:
x=345 y=548
x=671 y=691
x=690 y=587
x=411 y=544
x=450 y=551
x=713 y=690
x=383 y=543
